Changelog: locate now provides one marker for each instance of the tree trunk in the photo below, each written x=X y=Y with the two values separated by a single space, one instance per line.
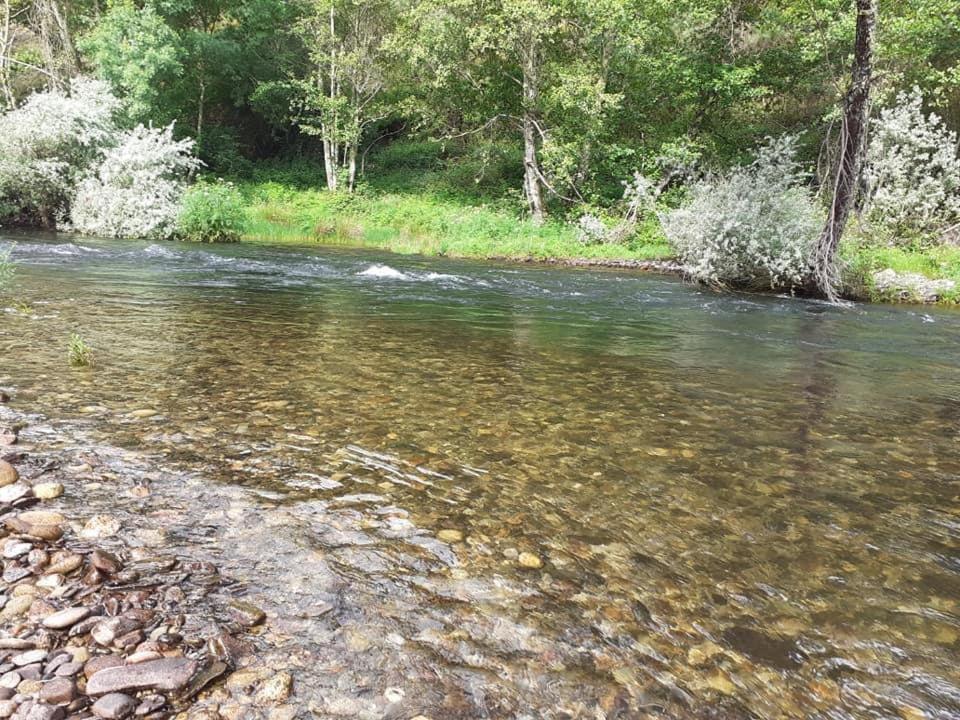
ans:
x=352 y=166
x=329 y=160
x=532 y=187
x=6 y=48
x=853 y=146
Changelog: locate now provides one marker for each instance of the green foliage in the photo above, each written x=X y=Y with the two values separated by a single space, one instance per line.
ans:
x=140 y=55
x=212 y=212
x=79 y=353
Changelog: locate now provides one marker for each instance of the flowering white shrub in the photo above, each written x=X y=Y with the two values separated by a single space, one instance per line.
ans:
x=46 y=143
x=912 y=170
x=136 y=190
x=591 y=230
x=755 y=225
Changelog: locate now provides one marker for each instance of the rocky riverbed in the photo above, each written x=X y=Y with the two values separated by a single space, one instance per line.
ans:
x=92 y=627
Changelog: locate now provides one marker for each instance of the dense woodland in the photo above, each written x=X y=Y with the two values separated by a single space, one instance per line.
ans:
x=551 y=105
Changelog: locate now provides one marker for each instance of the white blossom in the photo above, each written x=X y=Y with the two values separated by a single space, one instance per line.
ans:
x=912 y=171
x=754 y=225
x=136 y=190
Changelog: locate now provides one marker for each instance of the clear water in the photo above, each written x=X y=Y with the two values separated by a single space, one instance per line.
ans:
x=743 y=506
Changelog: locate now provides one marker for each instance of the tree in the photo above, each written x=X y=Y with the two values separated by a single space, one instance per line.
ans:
x=853 y=147
x=343 y=94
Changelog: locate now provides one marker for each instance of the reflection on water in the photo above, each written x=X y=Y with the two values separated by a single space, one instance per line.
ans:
x=473 y=490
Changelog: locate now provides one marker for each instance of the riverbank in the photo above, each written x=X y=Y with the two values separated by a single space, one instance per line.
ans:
x=93 y=623
x=433 y=223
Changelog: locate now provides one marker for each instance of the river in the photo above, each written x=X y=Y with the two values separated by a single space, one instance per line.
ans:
x=477 y=490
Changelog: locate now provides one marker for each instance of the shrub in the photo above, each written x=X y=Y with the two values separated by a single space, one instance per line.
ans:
x=78 y=352
x=912 y=171
x=755 y=225
x=212 y=212
x=136 y=190
x=47 y=143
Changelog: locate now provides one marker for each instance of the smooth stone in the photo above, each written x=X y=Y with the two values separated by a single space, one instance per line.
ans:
x=9 y=494
x=29 y=657
x=29 y=687
x=10 y=643
x=450 y=535
x=7 y=708
x=48 y=490
x=105 y=562
x=101 y=662
x=60 y=691
x=16 y=606
x=66 y=618
x=69 y=669
x=10 y=679
x=42 y=711
x=246 y=613
x=529 y=560
x=166 y=674
x=149 y=704
x=107 y=631
x=100 y=526
x=275 y=689
x=13 y=550
x=114 y=706
x=64 y=562
x=8 y=474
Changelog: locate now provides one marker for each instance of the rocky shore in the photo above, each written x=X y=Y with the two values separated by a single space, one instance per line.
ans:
x=92 y=628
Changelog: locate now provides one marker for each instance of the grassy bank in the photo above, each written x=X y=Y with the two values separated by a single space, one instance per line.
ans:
x=415 y=207
x=416 y=203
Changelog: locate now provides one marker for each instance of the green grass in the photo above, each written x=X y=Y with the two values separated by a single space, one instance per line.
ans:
x=865 y=256
x=415 y=209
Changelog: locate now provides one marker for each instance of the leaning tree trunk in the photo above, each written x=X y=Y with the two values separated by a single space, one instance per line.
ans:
x=853 y=146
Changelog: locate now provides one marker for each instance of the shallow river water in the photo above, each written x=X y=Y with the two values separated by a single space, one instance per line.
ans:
x=470 y=490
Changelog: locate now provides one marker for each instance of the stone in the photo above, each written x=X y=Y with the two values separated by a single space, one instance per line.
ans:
x=149 y=704
x=530 y=561
x=10 y=679
x=8 y=474
x=66 y=618
x=29 y=657
x=100 y=662
x=275 y=689
x=7 y=708
x=450 y=535
x=245 y=613
x=166 y=674
x=37 y=523
x=16 y=606
x=107 y=631
x=9 y=494
x=42 y=711
x=48 y=490
x=64 y=562
x=100 y=526
x=14 y=549
x=60 y=691
x=114 y=706
x=69 y=669
x=105 y=562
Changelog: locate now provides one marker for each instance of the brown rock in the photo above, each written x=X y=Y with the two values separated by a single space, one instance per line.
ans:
x=8 y=473
x=105 y=562
x=114 y=706
x=166 y=674
x=101 y=662
x=60 y=691
x=66 y=618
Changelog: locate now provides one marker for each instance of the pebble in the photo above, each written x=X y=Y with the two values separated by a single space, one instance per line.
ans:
x=114 y=706
x=8 y=473
x=14 y=549
x=48 y=490
x=60 y=691
x=66 y=618
x=105 y=561
x=450 y=535
x=100 y=526
x=9 y=494
x=529 y=560
x=29 y=657
x=246 y=614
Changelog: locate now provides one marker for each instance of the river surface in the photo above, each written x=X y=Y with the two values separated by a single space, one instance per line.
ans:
x=475 y=490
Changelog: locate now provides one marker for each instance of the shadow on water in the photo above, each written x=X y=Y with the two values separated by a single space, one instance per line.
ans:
x=477 y=490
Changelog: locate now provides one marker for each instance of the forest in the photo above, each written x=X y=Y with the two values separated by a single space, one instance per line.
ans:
x=520 y=128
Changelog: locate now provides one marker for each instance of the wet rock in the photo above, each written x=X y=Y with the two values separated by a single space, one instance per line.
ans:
x=14 y=549
x=9 y=494
x=66 y=618
x=275 y=689
x=38 y=523
x=149 y=704
x=105 y=562
x=114 y=706
x=450 y=535
x=101 y=662
x=245 y=613
x=773 y=651
x=100 y=526
x=8 y=474
x=166 y=674
x=48 y=490
x=529 y=560
x=64 y=562
x=61 y=691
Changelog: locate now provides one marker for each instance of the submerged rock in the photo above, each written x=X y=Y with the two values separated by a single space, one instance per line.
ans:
x=167 y=674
